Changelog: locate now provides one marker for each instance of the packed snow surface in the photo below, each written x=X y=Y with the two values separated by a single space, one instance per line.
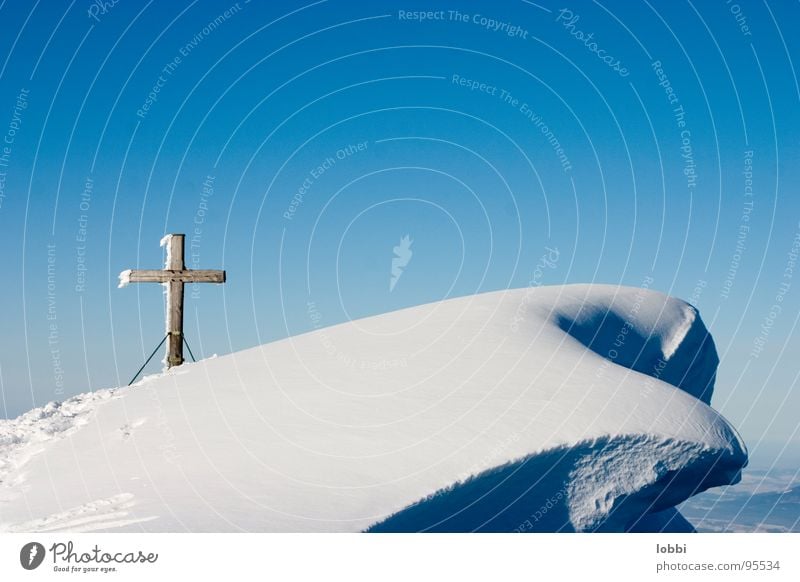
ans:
x=570 y=408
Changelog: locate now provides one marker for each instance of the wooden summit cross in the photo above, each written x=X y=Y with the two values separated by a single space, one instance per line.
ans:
x=174 y=274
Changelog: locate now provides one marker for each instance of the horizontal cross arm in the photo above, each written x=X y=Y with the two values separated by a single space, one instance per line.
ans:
x=165 y=276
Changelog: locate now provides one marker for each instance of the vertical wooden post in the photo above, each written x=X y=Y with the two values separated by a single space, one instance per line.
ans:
x=175 y=301
x=174 y=275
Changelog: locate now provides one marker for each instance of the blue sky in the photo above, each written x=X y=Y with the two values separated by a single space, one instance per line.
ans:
x=486 y=136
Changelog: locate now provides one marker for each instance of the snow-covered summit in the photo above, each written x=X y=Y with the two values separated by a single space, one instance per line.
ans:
x=571 y=408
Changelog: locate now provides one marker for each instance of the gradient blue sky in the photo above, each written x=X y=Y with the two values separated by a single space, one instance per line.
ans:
x=276 y=88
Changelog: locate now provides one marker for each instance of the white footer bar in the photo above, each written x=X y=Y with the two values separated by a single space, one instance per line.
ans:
x=389 y=557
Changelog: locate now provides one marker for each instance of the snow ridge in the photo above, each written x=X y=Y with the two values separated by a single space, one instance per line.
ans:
x=585 y=411
x=567 y=489
x=645 y=331
x=25 y=436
